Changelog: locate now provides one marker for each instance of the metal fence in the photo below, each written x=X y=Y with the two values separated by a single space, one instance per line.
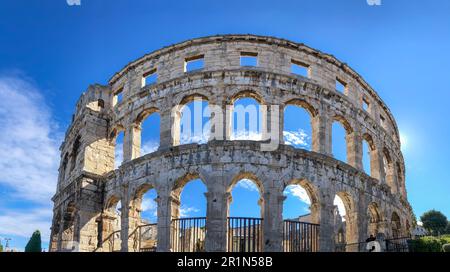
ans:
x=391 y=245
x=300 y=236
x=397 y=244
x=188 y=234
x=244 y=234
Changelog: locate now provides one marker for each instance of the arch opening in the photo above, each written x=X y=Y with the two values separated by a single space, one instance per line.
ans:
x=345 y=227
x=110 y=240
x=396 y=226
x=389 y=171
x=149 y=133
x=192 y=121
x=144 y=219
x=339 y=141
x=374 y=227
x=297 y=126
x=245 y=215
x=300 y=218
x=247 y=119
x=188 y=230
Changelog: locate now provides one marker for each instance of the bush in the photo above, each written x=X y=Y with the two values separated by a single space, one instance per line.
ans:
x=446 y=248
x=429 y=244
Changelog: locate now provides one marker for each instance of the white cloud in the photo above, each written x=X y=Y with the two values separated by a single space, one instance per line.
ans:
x=149 y=147
x=23 y=223
x=186 y=211
x=29 y=144
x=247 y=185
x=296 y=138
x=149 y=206
x=246 y=135
x=29 y=141
x=189 y=138
x=298 y=192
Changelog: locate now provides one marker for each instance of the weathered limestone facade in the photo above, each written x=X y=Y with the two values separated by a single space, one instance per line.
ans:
x=89 y=185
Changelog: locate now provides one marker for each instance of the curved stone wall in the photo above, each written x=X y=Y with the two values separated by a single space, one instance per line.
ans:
x=88 y=183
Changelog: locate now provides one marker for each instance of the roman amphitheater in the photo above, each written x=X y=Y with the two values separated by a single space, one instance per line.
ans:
x=90 y=186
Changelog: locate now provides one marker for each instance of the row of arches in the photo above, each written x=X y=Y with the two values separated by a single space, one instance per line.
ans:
x=300 y=127
x=301 y=203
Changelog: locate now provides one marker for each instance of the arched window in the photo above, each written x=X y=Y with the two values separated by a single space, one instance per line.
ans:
x=389 y=171
x=339 y=141
x=64 y=167
x=343 y=220
x=145 y=236
x=194 y=126
x=245 y=215
x=300 y=218
x=247 y=120
x=374 y=220
x=112 y=225
x=150 y=133
x=74 y=155
x=69 y=231
x=189 y=215
x=297 y=127
x=396 y=225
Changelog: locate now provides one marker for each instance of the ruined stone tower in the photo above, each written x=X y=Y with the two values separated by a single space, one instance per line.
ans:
x=90 y=186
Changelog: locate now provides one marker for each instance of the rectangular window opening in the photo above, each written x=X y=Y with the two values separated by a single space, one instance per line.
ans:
x=299 y=68
x=149 y=78
x=118 y=96
x=249 y=59
x=194 y=63
x=341 y=85
x=366 y=104
x=382 y=121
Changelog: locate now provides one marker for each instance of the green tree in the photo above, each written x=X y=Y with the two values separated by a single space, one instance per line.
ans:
x=447 y=231
x=434 y=221
x=1 y=248
x=34 y=244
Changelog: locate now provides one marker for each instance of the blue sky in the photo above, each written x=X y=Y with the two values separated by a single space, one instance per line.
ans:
x=50 y=52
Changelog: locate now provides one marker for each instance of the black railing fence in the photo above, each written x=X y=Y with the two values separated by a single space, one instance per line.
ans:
x=388 y=245
x=244 y=234
x=398 y=244
x=188 y=234
x=300 y=236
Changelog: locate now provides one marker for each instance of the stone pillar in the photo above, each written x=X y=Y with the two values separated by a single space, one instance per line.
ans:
x=273 y=221
x=354 y=150
x=271 y=127
x=228 y=122
x=376 y=164
x=391 y=177
x=88 y=231
x=321 y=138
x=127 y=144
x=124 y=224
x=133 y=226
x=135 y=136
x=281 y=124
x=216 y=221
x=165 y=214
x=166 y=140
x=326 y=231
